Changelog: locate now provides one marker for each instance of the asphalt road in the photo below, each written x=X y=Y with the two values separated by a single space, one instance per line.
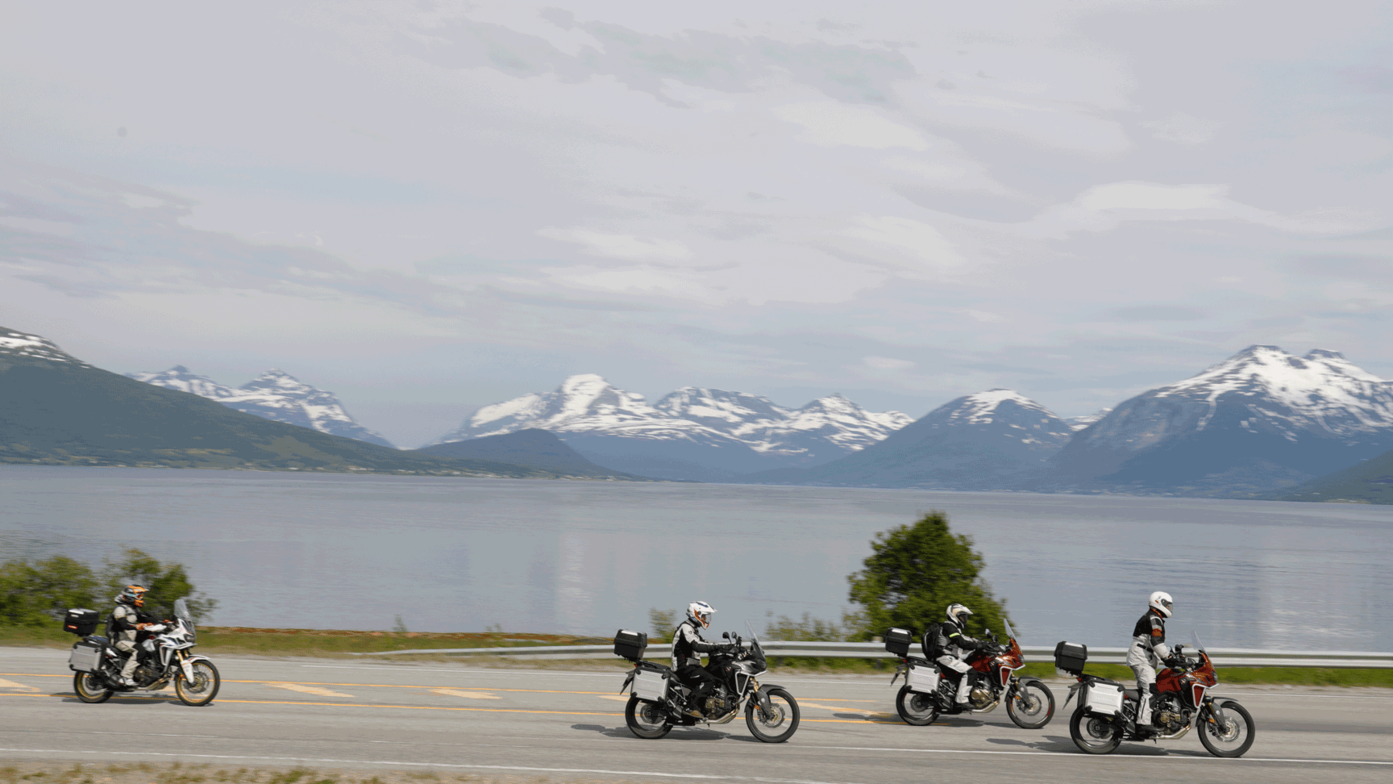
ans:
x=561 y=724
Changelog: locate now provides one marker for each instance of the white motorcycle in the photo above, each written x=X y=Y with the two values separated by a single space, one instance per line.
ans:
x=164 y=657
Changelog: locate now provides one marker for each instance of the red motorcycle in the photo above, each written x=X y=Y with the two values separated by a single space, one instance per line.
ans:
x=1107 y=712
x=926 y=694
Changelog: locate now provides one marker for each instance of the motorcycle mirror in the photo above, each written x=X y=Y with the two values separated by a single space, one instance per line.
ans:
x=725 y=635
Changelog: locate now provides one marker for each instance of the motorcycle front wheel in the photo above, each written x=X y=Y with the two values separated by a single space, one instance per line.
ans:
x=90 y=687
x=1032 y=705
x=1234 y=733
x=1094 y=734
x=779 y=723
x=204 y=687
x=646 y=719
x=915 y=707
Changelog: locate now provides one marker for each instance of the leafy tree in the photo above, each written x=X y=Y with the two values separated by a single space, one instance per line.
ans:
x=40 y=593
x=165 y=583
x=663 y=624
x=914 y=572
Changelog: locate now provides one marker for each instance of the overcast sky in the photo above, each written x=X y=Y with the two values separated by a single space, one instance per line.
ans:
x=427 y=207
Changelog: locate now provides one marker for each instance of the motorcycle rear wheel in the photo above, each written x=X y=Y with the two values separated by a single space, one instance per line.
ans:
x=1234 y=737
x=203 y=689
x=1032 y=706
x=1092 y=734
x=778 y=725
x=915 y=707
x=647 y=720
x=90 y=688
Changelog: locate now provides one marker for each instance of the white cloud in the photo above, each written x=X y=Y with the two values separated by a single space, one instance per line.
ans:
x=829 y=124
x=1103 y=207
x=1183 y=129
x=887 y=363
x=621 y=246
x=913 y=245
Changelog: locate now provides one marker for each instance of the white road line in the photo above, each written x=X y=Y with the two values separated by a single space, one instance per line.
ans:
x=1077 y=755
x=697 y=776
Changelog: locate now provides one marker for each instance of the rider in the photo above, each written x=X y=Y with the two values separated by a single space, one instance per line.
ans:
x=127 y=620
x=955 y=645
x=687 y=647
x=1148 y=650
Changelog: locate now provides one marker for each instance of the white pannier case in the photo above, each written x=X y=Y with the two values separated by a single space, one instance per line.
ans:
x=922 y=678
x=650 y=685
x=1104 y=699
x=85 y=657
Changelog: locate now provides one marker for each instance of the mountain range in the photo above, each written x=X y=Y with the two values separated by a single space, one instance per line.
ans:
x=56 y=409
x=274 y=395
x=1261 y=424
x=690 y=434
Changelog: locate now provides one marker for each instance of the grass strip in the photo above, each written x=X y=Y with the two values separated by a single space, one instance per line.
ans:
x=320 y=643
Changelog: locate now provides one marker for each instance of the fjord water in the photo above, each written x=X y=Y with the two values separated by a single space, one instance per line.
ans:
x=353 y=552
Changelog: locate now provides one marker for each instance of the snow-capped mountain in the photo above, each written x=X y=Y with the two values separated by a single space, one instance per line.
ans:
x=976 y=442
x=691 y=433
x=274 y=395
x=1081 y=422
x=21 y=344
x=1261 y=419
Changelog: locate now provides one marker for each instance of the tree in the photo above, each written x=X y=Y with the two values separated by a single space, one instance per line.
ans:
x=165 y=584
x=915 y=571
x=40 y=593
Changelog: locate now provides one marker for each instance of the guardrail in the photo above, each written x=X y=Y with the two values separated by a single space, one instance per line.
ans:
x=775 y=649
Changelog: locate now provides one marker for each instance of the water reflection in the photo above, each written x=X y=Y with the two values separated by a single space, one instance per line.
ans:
x=354 y=552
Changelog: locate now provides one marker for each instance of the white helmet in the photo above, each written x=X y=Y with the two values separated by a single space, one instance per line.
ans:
x=1162 y=603
x=701 y=613
x=957 y=613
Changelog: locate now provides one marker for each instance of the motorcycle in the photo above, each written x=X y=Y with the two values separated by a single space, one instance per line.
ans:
x=164 y=657
x=1107 y=712
x=927 y=695
x=658 y=701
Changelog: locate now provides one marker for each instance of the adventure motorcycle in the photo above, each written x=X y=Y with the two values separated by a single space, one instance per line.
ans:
x=1107 y=712
x=164 y=657
x=659 y=700
x=927 y=694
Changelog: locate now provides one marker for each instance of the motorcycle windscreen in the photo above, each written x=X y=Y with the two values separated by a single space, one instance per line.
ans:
x=1010 y=633
x=181 y=611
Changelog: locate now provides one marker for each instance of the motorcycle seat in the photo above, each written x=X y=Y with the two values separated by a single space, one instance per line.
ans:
x=96 y=640
x=919 y=661
x=648 y=665
x=1130 y=694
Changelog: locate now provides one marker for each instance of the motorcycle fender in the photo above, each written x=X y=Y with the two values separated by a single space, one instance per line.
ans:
x=1216 y=704
x=187 y=665
x=1021 y=683
x=763 y=696
x=1072 y=691
x=627 y=681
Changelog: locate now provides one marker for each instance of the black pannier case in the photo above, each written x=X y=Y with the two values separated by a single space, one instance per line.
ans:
x=80 y=622
x=897 y=641
x=1070 y=656
x=630 y=645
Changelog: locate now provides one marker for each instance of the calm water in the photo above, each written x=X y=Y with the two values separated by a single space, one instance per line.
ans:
x=287 y=550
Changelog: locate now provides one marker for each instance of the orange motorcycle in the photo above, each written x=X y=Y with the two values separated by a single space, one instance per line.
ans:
x=1107 y=712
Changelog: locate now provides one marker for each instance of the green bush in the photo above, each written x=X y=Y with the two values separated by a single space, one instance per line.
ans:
x=914 y=572
x=37 y=594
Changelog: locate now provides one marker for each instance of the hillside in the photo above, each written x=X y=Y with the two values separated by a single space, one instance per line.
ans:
x=1369 y=482
x=532 y=447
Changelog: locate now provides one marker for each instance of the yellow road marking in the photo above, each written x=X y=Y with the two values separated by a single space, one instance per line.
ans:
x=468 y=695
x=615 y=697
x=4 y=684
x=878 y=714
x=120 y=698
x=303 y=689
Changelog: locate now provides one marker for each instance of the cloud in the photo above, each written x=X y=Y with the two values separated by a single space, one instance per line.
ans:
x=1183 y=129
x=828 y=124
x=1157 y=313
x=911 y=245
x=1103 y=207
x=887 y=363
x=621 y=246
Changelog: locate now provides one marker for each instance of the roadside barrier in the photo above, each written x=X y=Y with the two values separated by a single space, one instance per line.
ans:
x=775 y=649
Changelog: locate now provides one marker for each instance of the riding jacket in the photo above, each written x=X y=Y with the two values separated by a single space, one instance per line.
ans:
x=1149 y=640
x=959 y=643
x=687 y=645
x=123 y=623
